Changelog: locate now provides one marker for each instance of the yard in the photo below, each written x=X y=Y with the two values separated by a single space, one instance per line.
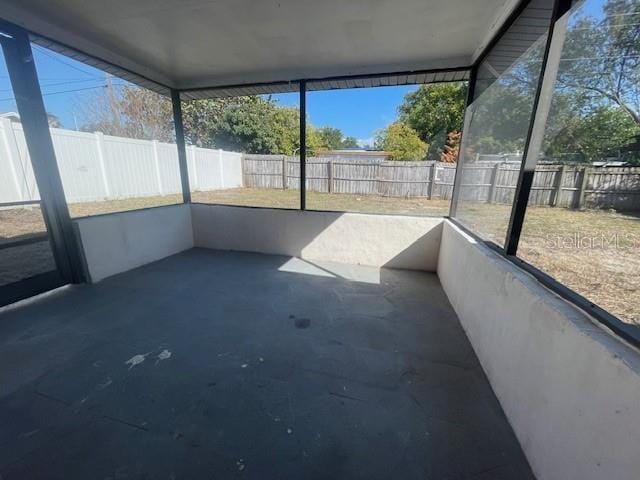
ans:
x=595 y=252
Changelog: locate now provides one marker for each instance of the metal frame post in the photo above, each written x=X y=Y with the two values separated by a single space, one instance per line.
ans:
x=33 y=116
x=537 y=124
x=303 y=145
x=182 y=149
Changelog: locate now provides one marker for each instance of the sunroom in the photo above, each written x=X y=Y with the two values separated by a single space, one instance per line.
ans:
x=357 y=239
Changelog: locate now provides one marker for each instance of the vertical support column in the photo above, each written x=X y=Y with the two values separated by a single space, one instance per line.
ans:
x=26 y=87
x=535 y=135
x=468 y=114
x=182 y=151
x=103 y=169
x=303 y=145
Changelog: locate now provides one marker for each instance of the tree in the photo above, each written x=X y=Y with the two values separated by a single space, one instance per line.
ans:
x=593 y=137
x=451 y=148
x=128 y=111
x=53 y=121
x=402 y=142
x=350 y=142
x=433 y=111
x=601 y=59
x=330 y=137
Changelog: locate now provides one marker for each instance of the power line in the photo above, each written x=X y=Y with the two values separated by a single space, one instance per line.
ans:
x=64 y=91
x=60 y=60
x=46 y=85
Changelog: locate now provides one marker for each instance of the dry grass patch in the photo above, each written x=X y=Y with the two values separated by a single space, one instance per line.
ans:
x=593 y=252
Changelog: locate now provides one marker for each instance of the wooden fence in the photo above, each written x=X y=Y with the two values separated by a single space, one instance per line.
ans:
x=571 y=186
x=387 y=178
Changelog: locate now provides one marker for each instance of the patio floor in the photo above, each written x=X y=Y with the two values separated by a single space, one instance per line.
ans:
x=234 y=365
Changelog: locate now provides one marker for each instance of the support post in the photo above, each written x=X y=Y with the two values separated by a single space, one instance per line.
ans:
x=26 y=87
x=538 y=122
x=303 y=145
x=182 y=151
x=330 y=174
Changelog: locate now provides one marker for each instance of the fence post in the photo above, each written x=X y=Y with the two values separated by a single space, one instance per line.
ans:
x=12 y=153
x=583 y=186
x=432 y=180
x=220 y=164
x=156 y=163
x=195 y=186
x=494 y=181
x=284 y=172
x=242 y=170
x=558 y=191
x=103 y=169
x=330 y=176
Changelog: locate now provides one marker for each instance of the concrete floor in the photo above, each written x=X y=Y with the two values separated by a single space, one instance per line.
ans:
x=233 y=365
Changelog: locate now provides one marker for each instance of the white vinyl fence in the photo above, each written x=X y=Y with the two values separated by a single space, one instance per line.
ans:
x=97 y=167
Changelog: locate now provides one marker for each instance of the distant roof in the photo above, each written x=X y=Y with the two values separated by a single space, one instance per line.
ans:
x=11 y=115
x=355 y=151
x=188 y=45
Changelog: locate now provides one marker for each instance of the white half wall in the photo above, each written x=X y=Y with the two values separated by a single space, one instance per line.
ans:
x=375 y=240
x=570 y=389
x=115 y=243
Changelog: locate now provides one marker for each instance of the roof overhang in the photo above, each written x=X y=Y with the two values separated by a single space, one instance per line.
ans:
x=200 y=44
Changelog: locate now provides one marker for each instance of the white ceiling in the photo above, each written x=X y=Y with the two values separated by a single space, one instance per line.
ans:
x=198 y=43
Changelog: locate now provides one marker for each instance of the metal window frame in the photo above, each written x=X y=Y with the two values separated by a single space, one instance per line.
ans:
x=627 y=332
x=178 y=125
x=303 y=144
x=537 y=125
x=29 y=101
x=518 y=211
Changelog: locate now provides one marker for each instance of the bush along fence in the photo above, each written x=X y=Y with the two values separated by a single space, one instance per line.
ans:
x=97 y=167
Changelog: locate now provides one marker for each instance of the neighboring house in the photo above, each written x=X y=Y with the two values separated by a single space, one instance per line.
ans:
x=53 y=121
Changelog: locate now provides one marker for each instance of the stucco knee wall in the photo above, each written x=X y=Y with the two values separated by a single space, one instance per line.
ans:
x=570 y=389
x=375 y=240
x=118 y=242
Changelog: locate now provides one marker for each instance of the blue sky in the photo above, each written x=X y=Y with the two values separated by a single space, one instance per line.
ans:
x=65 y=82
x=358 y=112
